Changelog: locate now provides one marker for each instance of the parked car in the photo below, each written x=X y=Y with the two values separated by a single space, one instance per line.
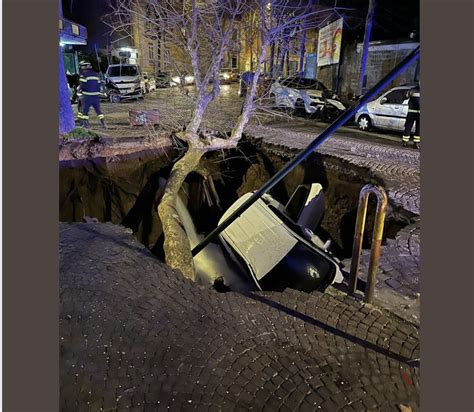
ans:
x=388 y=111
x=263 y=85
x=123 y=81
x=245 y=79
x=182 y=80
x=276 y=244
x=148 y=83
x=162 y=79
x=306 y=96
x=228 y=76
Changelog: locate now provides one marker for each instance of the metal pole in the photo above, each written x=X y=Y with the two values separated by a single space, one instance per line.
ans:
x=382 y=203
x=365 y=46
x=341 y=120
x=358 y=237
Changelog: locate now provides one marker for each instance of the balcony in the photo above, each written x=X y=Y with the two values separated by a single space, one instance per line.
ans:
x=72 y=33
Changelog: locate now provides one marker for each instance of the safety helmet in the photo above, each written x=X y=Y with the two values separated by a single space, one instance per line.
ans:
x=84 y=64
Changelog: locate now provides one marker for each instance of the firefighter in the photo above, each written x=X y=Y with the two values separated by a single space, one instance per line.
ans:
x=413 y=116
x=89 y=89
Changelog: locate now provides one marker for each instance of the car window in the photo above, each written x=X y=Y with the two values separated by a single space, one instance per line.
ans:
x=302 y=83
x=290 y=82
x=396 y=96
x=122 y=71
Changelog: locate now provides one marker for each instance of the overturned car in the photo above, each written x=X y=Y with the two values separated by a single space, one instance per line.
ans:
x=271 y=246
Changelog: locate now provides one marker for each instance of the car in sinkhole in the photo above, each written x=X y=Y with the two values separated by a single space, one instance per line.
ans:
x=275 y=244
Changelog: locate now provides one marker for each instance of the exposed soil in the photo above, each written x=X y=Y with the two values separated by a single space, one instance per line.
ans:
x=126 y=190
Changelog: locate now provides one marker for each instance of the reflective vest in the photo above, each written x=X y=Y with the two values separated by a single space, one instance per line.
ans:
x=89 y=82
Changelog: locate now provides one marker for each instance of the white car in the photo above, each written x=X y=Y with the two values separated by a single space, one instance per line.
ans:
x=276 y=246
x=183 y=80
x=308 y=96
x=388 y=111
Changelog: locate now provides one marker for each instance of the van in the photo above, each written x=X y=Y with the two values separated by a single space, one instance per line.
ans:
x=123 y=81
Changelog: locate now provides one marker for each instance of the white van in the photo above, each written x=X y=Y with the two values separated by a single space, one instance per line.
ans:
x=123 y=81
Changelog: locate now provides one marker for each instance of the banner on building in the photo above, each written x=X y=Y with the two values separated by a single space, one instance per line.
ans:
x=329 y=43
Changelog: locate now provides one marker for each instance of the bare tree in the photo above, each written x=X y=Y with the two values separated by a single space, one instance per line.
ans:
x=198 y=34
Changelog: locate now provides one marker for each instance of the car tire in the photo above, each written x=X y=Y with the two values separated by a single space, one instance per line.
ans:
x=299 y=108
x=114 y=97
x=329 y=114
x=364 y=123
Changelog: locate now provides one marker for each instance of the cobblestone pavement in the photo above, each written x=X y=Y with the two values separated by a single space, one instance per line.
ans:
x=397 y=169
x=136 y=336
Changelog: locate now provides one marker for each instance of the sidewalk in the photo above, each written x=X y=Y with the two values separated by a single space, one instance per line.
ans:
x=134 y=335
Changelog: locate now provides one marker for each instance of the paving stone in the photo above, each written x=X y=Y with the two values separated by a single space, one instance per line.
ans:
x=164 y=332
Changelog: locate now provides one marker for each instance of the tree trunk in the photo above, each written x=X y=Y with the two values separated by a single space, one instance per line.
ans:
x=176 y=243
x=365 y=52
x=66 y=115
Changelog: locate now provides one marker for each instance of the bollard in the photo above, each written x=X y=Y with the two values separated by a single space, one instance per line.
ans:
x=382 y=203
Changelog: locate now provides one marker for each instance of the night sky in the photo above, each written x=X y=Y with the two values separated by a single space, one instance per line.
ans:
x=394 y=19
x=88 y=13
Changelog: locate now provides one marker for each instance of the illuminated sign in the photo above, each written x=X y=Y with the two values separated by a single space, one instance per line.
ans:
x=329 y=43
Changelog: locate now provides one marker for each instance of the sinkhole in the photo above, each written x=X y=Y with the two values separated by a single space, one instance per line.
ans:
x=127 y=192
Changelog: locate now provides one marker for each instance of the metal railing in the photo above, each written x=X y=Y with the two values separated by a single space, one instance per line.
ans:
x=341 y=120
x=382 y=203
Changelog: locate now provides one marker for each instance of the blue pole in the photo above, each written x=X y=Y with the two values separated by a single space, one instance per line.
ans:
x=365 y=51
x=341 y=120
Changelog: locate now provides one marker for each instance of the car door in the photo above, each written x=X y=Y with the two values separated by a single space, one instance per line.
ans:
x=401 y=121
x=389 y=109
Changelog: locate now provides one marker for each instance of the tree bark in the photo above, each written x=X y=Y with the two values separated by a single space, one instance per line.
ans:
x=176 y=243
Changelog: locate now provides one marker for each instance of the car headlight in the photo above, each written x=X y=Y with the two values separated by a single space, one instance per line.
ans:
x=226 y=76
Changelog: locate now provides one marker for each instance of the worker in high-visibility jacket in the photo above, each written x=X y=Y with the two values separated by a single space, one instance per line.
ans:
x=89 y=91
x=413 y=116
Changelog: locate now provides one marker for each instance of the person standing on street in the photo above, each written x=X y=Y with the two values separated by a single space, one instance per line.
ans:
x=89 y=89
x=413 y=116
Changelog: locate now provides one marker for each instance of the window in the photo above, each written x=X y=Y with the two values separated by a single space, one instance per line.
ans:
x=396 y=97
x=122 y=70
x=151 y=51
x=75 y=29
x=302 y=83
x=233 y=63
